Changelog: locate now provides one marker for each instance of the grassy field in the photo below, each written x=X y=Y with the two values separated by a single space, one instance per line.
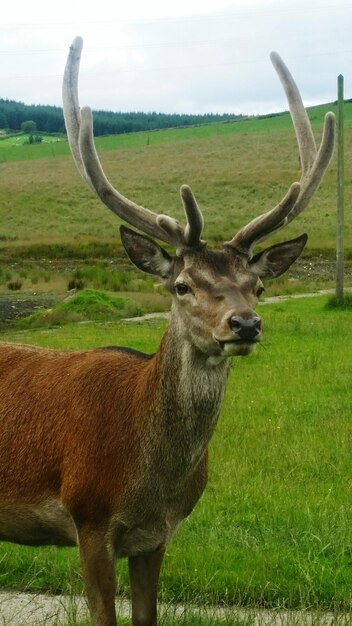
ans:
x=274 y=527
x=237 y=171
x=9 y=147
x=51 y=225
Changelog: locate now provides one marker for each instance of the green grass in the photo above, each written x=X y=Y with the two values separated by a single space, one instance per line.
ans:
x=13 y=148
x=274 y=526
x=344 y=303
x=21 y=139
x=45 y=206
x=16 y=147
x=237 y=171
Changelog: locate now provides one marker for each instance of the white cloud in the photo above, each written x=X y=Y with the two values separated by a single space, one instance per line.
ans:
x=192 y=56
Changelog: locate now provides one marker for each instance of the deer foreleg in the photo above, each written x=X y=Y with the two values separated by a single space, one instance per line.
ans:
x=98 y=567
x=144 y=572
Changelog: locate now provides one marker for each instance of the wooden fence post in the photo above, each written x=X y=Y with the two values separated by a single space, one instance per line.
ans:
x=340 y=190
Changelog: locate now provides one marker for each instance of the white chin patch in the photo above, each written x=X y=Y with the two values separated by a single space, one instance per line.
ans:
x=232 y=348
x=229 y=349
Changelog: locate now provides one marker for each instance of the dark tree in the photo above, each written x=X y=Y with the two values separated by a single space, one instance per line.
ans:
x=28 y=127
x=49 y=119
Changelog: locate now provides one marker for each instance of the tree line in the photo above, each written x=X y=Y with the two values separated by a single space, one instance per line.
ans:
x=49 y=119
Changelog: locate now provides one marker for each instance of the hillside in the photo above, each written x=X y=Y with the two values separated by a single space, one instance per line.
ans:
x=237 y=171
x=16 y=148
x=49 y=119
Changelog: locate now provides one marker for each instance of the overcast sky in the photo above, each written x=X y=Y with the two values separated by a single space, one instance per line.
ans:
x=191 y=56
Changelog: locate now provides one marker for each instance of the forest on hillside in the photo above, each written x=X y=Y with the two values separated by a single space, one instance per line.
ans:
x=49 y=119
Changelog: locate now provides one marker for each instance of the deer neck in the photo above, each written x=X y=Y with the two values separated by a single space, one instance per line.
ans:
x=190 y=392
x=193 y=384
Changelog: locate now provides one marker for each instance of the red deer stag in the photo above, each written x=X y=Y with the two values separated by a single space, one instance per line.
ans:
x=107 y=448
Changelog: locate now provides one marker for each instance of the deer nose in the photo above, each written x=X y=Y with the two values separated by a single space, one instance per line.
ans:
x=246 y=328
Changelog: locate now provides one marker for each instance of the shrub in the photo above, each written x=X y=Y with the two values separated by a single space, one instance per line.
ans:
x=14 y=285
x=28 y=126
x=75 y=283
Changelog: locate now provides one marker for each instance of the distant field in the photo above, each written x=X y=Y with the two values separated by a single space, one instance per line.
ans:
x=236 y=170
x=17 y=148
x=20 y=140
x=51 y=223
x=9 y=151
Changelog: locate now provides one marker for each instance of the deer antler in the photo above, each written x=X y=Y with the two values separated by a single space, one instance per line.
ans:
x=313 y=162
x=79 y=126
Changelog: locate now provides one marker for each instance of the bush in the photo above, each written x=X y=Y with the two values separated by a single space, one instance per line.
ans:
x=34 y=139
x=28 y=127
x=14 y=285
x=75 y=283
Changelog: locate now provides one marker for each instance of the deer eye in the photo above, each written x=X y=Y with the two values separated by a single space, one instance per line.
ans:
x=182 y=289
x=259 y=291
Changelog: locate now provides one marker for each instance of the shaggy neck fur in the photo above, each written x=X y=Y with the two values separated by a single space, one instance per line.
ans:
x=190 y=393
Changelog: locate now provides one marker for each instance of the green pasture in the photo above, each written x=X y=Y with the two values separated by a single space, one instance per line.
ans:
x=13 y=148
x=21 y=139
x=16 y=147
x=274 y=526
x=237 y=171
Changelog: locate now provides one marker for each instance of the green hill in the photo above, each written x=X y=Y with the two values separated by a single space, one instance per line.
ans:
x=14 y=148
x=237 y=171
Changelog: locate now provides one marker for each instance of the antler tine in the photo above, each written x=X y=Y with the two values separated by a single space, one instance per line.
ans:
x=79 y=126
x=313 y=163
x=195 y=220
x=311 y=180
x=264 y=225
x=134 y=214
x=72 y=113
x=301 y=123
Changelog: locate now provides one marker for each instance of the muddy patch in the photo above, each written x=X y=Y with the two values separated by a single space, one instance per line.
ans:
x=14 y=306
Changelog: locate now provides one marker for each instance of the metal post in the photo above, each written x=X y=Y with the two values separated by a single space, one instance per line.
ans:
x=340 y=190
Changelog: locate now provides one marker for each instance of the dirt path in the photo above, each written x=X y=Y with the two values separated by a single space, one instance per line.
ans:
x=25 y=609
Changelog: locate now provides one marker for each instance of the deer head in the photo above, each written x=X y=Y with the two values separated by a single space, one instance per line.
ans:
x=214 y=291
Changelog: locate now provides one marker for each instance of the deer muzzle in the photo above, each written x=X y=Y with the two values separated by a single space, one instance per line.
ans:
x=246 y=329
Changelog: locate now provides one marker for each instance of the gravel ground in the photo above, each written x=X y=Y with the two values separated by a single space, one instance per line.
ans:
x=25 y=609
x=15 y=306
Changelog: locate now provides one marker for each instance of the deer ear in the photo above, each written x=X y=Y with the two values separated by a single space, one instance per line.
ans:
x=145 y=254
x=275 y=260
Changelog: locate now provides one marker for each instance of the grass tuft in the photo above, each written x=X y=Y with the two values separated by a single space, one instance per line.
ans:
x=86 y=305
x=14 y=285
x=343 y=304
